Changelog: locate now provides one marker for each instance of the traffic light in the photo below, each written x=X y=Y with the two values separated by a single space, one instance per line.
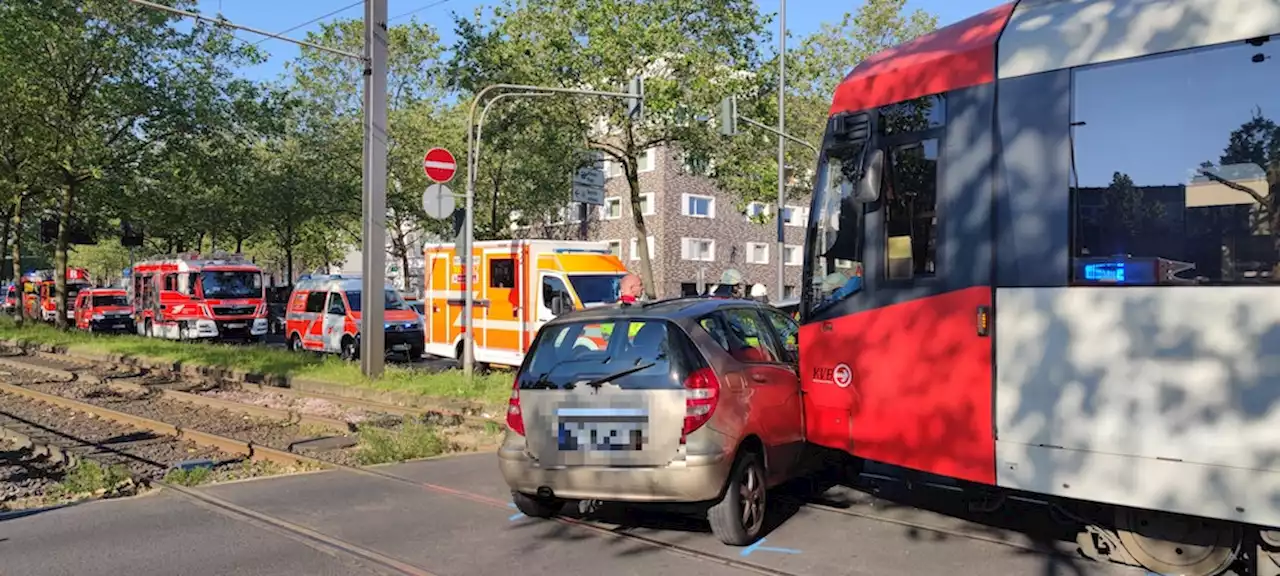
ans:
x=635 y=104
x=729 y=116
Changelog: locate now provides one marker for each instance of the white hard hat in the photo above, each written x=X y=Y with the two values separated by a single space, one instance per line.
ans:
x=759 y=291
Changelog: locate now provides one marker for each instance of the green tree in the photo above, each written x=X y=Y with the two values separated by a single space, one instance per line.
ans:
x=116 y=81
x=747 y=164
x=689 y=52
x=416 y=120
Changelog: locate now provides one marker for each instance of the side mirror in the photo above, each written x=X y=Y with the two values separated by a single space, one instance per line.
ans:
x=867 y=190
x=558 y=305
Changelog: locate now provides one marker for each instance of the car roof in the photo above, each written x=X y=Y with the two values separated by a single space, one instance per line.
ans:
x=682 y=309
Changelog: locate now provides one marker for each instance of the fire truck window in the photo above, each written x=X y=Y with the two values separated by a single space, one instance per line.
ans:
x=502 y=273
x=1177 y=168
x=315 y=302
x=335 y=304
x=170 y=281
x=910 y=210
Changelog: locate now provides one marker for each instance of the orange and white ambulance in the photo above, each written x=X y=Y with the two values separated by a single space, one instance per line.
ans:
x=519 y=285
x=323 y=315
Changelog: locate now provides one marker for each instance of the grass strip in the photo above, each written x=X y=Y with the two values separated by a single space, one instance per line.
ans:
x=490 y=389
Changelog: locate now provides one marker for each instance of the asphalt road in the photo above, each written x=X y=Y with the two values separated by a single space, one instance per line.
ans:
x=461 y=523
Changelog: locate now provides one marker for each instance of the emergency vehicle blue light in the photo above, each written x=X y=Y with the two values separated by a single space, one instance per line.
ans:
x=579 y=251
x=1105 y=272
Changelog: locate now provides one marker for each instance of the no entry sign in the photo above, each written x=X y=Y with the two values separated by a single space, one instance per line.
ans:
x=439 y=165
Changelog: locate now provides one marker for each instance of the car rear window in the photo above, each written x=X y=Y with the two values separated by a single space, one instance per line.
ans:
x=632 y=354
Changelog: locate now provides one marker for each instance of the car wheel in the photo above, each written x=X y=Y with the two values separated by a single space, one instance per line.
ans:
x=536 y=507
x=738 y=518
x=350 y=349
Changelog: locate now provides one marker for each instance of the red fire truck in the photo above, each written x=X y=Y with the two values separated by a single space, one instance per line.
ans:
x=216 y=297
x=1066 y=213
x=39 y=294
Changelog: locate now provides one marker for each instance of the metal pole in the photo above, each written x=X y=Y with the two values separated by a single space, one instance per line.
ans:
x=468 y=223
x=374 y=238
x=782 y=147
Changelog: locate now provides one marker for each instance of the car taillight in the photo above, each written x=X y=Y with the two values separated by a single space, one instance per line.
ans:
x=515 y=419
x=702 y=391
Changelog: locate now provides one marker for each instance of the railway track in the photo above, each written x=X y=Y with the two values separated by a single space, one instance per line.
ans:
x=69 y=378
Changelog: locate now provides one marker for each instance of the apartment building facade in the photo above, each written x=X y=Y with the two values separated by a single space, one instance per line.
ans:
x=695 y=230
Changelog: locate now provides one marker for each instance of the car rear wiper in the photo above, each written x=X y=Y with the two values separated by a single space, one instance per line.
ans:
x=598 y=382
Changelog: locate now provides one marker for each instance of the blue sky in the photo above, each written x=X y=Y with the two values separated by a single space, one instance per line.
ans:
x=803 y=17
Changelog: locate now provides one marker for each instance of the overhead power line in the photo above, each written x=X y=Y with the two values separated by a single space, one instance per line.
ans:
x=220 y=22
x=417 y=10
x=314 y=20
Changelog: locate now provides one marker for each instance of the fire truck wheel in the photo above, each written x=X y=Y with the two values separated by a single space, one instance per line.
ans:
x=295 y=343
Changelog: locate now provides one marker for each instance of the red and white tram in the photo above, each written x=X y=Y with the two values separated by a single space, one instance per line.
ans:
x=1068 y=217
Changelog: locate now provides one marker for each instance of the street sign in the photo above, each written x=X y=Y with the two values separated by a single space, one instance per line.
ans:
x=588 y=184
x=439 y=165
x=438 y=201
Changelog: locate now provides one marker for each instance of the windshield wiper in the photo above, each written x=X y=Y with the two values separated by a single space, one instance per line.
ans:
x=598 y=382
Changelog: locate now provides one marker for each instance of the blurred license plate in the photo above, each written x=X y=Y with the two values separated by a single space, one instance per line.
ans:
x=119 y=325
x=400 y=347
x=605 y=429
x=236 y=325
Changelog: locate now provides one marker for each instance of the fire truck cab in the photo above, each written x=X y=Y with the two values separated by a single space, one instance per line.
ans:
x=324 y=316
x=104 y=310
x=196 y=297
x=39 y=293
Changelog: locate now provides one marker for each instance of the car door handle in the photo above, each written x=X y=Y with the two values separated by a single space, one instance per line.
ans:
x=758 y=377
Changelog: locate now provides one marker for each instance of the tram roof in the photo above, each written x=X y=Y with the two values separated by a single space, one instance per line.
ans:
x=1033 y=36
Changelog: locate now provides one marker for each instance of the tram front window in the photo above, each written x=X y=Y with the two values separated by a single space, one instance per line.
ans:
x=835 y=238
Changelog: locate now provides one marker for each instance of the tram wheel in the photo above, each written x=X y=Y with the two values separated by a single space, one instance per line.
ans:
x=1168 y=543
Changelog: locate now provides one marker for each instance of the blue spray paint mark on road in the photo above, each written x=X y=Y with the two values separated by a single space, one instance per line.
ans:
x=517 y=515
x=759 y=547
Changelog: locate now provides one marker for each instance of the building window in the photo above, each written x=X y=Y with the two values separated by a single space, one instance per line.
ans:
x=789 y=292
x=612 y=209
x=635 y=250
x=612 y=169
x=756 y=210
x=1188 y=185
x=910 y=217
x=569 y=214
x=757 y=253
x=646 y=160
x=698 y=206
x=615 y=248
x=792 y=255
x=647 y=205
x=793 y=216
x=699 y=249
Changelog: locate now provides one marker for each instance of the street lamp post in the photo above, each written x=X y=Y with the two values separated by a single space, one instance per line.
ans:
x=782 y=146
x=474 y=128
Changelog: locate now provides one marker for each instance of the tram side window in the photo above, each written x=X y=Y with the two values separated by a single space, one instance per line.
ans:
x=910 y=211
x=1177 y=168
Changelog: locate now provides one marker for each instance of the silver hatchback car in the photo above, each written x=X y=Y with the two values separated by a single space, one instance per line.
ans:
x=691 y=400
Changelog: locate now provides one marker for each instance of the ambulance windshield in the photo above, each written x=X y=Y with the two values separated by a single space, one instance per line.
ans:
x=596 y=288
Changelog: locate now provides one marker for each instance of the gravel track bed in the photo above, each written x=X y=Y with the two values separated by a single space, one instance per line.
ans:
x=277 y=434
x=145 y=454
x=310 y=406
x=24 y=477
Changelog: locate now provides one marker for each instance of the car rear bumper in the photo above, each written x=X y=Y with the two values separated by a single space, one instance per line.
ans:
x=697 y=478
x=404 y=340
